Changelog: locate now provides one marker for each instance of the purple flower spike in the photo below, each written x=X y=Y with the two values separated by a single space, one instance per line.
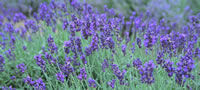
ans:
x=83 y=74
x=92 y=83
x=112 y=83
x=21 y=67
x=60 y=77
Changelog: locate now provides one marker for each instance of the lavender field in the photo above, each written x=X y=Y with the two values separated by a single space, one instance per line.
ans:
x=99 y=45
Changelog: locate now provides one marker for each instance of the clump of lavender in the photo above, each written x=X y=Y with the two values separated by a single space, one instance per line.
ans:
x=67 y=45
x=159 y=59
x=50 y=58
x=39 y=84
x=52 y=46
x=119 y=74
x=146 y=72
x=124 y=49
x=184 y=68
x=40 y=62
x=19 y=17
x=22 y=67
x=92 y=83
x=168 y=65
x=83 y=74
x=104 y=65
x=112 y=83
x=150 y=36
x=137 y=63
x=67 y=68
x=60 y=77
x=2 y=62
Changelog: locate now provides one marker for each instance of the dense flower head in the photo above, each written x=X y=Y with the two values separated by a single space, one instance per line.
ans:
x=83 y=74
x=40 y=62
x=50 y=58
x=159 y=59
x=119 y=74
x=22 y=67
x=137 y=63
x=31 y=25
x=60 y=77
x=67 y=45
x=28 y=80
x=92 y=83
x=39 y=84
x=52 y=46
x=67 y=67
x=184 y=68
x=168 y=65
x=146 y=72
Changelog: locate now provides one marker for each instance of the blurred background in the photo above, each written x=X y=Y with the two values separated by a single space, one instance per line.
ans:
x=176 y=11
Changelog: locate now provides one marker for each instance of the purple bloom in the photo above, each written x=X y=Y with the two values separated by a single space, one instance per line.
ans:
x=28 y=80
x=52 y=46
x=168 y=65
x=137 y=63
x=104 y=65
x=21 y=67
x=50 y=58
x=60 y=77
x=13 y=77
x=83 y=74
x=146 y=72
x=119 y=74
x=124 y=49
x=19 y=17
x=159 y=59
x=39 y=84
x=67 y=68
x=67 y=46
x=92 y=83
x=184 y=68
x=112 y=83
x=40 y=62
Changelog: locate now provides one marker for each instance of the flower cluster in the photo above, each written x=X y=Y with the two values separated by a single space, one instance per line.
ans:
x=21 y=67
x=146 y=72
x=40 y=62
x=60 y=77
x=83 y=74
x=119 y=74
